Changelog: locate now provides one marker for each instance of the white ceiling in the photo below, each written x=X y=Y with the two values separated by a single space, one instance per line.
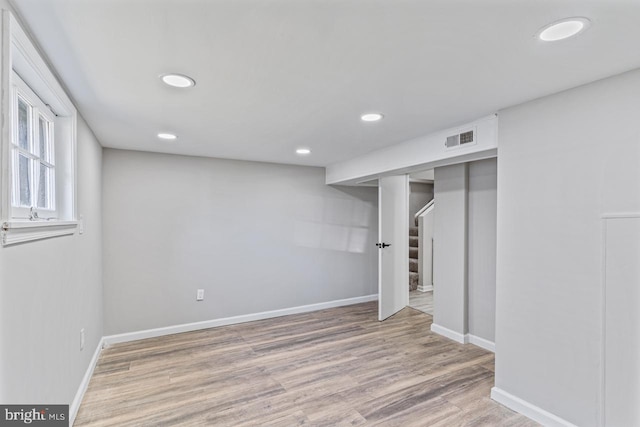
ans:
x=275 y=75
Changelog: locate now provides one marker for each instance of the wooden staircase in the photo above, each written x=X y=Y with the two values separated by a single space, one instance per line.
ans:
x=413 y=258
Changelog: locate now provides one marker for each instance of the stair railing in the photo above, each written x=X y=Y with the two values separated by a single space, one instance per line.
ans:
x=423 y=210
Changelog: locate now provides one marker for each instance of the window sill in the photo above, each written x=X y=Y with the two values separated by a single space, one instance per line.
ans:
x=26 y=231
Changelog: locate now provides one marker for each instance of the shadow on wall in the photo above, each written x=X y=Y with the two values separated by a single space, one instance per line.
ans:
x=337 y=223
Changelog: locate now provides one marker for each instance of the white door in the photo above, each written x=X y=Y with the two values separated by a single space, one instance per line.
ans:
x=393 y=245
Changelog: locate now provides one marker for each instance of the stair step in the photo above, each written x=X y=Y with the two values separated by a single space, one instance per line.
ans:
x=413 y=253
x=413 y=231
x=413 y=281
x=413 y=241
x=413 y=265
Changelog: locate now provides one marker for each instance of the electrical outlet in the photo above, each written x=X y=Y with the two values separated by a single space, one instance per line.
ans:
x=81 y=339
x=81 y=225
x=200 y=295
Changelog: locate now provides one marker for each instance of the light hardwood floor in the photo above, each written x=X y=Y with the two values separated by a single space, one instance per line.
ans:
x=336 y=367
x=422 y=301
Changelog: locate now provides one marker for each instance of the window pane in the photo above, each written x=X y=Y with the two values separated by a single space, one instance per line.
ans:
x=23 y=124
x=25 y=182
x=43 y=187
x=42 y=133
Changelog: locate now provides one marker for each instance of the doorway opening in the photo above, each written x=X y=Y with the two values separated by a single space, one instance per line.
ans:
x=421 y=207
x=462 y=261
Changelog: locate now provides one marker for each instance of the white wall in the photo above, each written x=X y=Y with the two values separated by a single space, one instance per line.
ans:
x=425 y=250
x=622 y=320
x=49 y=290
x=482 y=248
x=564 y=161
x=418 y=154
x=450 y=248
x=464 y=250
x=255 y=236
x=419 y=195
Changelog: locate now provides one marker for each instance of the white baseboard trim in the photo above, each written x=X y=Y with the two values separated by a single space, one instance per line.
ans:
x=77 y=400
x=528 y=410
x=188 y=327
x=453 y=335
x=428 y=288
x=482 y=343
x=463 y=338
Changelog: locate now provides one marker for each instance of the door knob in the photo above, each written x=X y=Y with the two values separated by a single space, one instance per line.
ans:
x=383 y=245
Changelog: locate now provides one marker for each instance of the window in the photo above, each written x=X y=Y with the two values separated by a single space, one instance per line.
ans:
x=32 y=154
x=38 y=150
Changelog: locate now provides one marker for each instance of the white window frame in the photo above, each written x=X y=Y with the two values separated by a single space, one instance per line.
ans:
x=24 y=72
x=20 y=90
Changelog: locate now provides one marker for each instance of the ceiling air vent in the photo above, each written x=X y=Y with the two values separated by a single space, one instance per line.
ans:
x=460 y=139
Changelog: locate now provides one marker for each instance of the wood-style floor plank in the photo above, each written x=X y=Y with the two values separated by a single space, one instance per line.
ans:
x=422 y=301
x=335 y=367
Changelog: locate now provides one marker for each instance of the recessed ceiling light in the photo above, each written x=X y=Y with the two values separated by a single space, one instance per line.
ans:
x=371 y=117
x=563 y=29
x=178 y=80
x=167 y=136
x=303 y=151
